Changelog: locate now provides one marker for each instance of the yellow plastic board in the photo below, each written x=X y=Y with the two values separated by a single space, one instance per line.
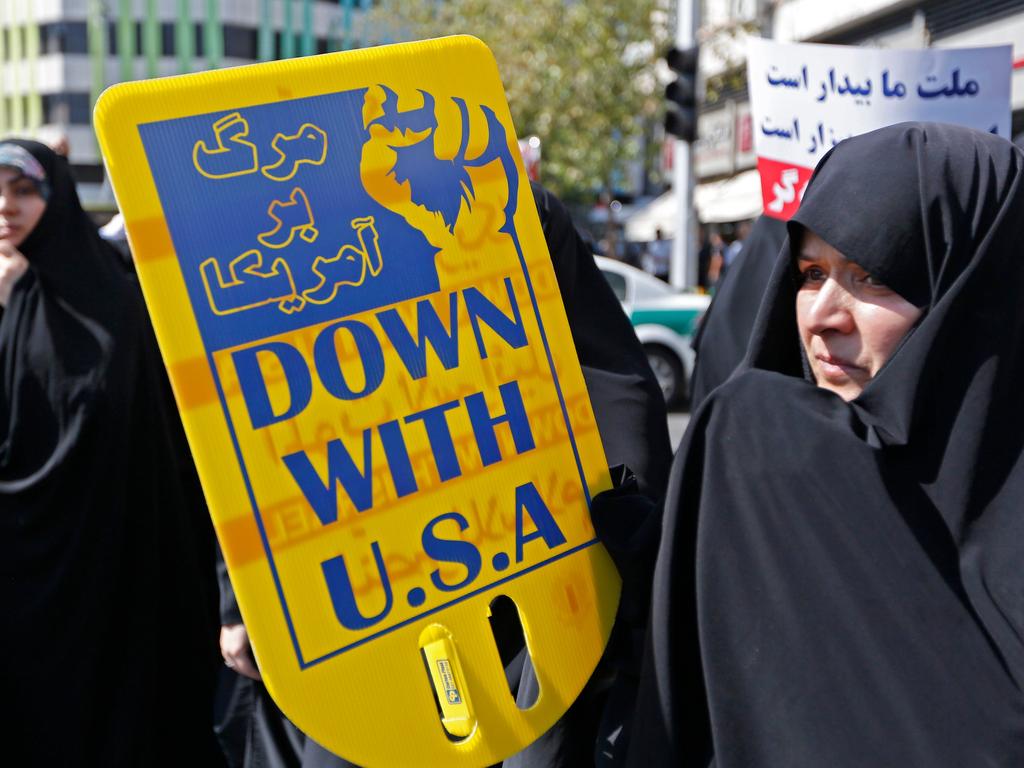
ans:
x=356 y=306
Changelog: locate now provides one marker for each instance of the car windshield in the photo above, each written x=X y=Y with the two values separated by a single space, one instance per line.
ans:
x=617 y=282
x=650 y=288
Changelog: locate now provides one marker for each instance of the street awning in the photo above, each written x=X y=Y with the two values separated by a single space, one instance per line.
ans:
x=660 y=213
x=733 y=199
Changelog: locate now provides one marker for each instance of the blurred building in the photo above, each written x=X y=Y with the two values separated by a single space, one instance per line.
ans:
x=724 y=160
x=57 y=56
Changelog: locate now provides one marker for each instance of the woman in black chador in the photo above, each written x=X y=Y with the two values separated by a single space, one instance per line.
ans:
x=840 y=579
x=108 y=641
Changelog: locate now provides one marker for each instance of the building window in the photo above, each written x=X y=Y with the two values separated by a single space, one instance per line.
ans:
x=241 y=42
x=66 y=108
x=114 y=39
x=947 y=17
x=167 y=38
x=279 y=44
x=63 y=37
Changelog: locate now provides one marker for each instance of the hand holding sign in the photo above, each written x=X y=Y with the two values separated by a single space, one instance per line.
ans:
x=12 y=266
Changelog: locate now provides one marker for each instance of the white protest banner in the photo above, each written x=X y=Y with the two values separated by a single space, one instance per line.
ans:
x=807 y=98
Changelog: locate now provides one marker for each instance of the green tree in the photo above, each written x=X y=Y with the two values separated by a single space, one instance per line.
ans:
x=579 y=75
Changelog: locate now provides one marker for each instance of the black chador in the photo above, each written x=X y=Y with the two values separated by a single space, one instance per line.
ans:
x=106 y=572
x=842 y=583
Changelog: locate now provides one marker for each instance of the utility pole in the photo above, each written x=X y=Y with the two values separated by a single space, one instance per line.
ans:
x=683 y=270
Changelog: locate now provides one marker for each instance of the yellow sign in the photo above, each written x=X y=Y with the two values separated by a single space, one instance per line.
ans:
x=354 y=300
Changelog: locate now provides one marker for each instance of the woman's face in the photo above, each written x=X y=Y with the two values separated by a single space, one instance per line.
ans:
x=21 y=206
x=849 y=323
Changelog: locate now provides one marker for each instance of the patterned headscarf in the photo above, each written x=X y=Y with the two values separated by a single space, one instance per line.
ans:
x=14 y=156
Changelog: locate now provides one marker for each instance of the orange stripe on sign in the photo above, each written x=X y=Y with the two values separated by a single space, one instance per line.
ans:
x=150 y=239
x=192 y=382
x=240 y=541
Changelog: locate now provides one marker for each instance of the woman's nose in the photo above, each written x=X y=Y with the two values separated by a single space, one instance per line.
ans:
x=7 y=203
x=831 y=310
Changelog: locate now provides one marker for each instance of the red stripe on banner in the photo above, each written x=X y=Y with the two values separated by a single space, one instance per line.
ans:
x=782 y=187
x=1018 y=64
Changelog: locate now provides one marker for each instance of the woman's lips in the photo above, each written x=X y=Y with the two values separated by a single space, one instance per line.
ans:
x=836 y=368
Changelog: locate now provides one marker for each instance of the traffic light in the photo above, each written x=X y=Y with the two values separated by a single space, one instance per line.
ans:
x=681 y=94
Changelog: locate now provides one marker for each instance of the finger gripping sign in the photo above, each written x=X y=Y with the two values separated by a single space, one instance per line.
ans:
x=354 y=300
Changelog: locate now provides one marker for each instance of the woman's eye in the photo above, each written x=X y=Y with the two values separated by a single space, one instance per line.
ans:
x=812 y=275
x=873 y=281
